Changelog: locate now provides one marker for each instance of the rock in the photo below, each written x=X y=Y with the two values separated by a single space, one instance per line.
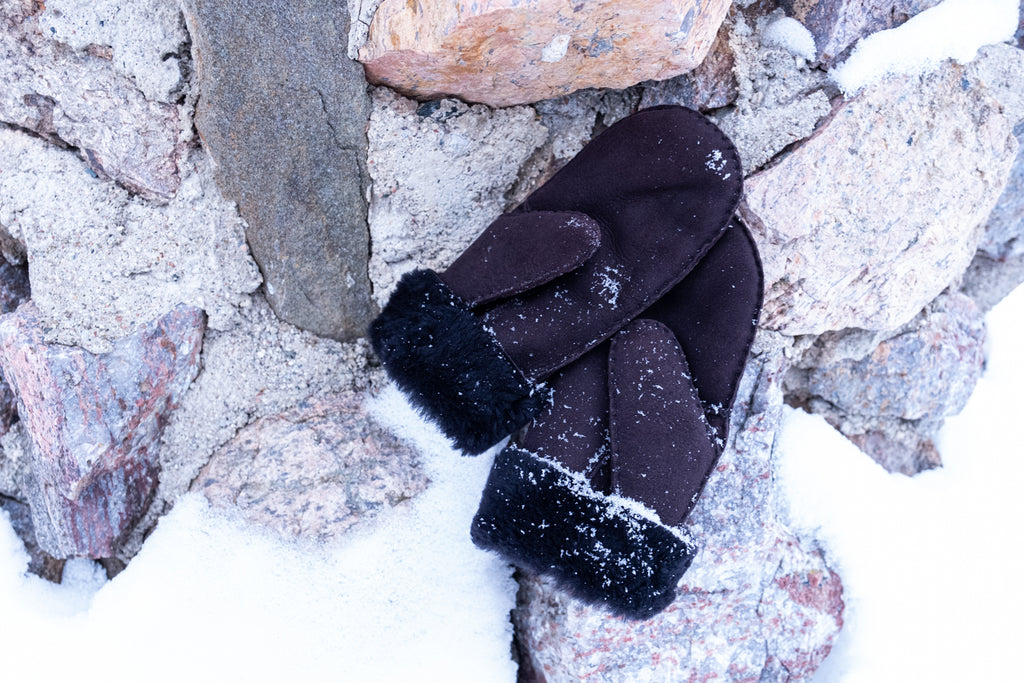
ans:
x=709 y=86
x=755 y=605
x=104 y=263
x=94 y=422
x=780 y=99
x=40 y=562
x=504 y=52
x=891 y=401
x=838 y=24
x=879 y=211
x=283 y=111
x=14 y=289
x=314 y=471
x=145 y=39
x=928 y=371
x=80 y=101
x=439 y=173
x=1004 y=229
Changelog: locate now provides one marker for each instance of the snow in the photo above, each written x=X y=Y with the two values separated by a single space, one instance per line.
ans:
x=952 y=29
x=931 y=566
x=213 y=598
x=791 y=35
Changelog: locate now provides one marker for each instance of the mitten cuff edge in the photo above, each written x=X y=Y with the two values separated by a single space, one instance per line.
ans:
x=449 y=366
x=549 y=521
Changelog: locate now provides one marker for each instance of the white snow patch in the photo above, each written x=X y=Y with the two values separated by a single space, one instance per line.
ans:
x=930 y=565
x=211 y=597
x=790 y=35
x=954 y=29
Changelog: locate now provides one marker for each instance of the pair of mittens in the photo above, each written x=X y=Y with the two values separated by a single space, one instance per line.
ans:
x=635 y=237
x=643 y=418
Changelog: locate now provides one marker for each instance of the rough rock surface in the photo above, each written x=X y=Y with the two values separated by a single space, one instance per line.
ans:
x=104 y=263
x=94 y=422
x=14 y=289
x=780 y=99
x=313 y=471
x=891 y=400
x=79 y=100
x=283 y=111
x=709 y=86
x=844 y=240
x=505 y=52
x=837 y=25
x=439 y=174
x=754 y=606
x=143 y=40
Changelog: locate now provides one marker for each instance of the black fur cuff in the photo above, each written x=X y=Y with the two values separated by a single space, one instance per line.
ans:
x=544 y=519
x=449 y=366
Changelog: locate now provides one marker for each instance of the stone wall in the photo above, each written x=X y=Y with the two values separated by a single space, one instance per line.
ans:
x=197 y=222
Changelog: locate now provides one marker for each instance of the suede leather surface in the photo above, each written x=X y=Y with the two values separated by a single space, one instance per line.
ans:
x=662 y=184
x=646 y=414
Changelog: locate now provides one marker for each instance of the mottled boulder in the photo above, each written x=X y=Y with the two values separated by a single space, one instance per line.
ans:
x=880 y=210
x=755 y=605
x=313 y=471
x=439 y=173
x=504 y=52
x=283 y=111
x=837 y=25
x=890 y=399
x=78 y=100
x=94 y=422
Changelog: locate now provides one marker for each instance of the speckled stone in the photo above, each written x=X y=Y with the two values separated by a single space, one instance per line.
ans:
x=504 y=52
x=94 y=422
x=314 y=471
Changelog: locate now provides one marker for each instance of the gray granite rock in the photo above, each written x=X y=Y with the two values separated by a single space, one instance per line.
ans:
x=283 y=111
x=891 y=400
x=440 y=172
x=94 y=423
x=878 y=212
x=314 y=471
x=755 y=605
x=79 y=100
x=837 y=25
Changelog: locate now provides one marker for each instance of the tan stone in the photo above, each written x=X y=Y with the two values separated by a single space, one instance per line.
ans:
x=504 y=52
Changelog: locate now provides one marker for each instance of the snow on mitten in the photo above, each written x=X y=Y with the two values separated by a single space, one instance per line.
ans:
x=603 y=239
x=593 y=494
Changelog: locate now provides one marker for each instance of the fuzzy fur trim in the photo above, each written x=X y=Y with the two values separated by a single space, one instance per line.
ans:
x=543 y=518
x=449 y=366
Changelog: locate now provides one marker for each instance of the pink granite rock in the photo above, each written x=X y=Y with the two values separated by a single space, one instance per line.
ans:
x=503 y=52
x=313 y=471
x=95 y=422
x=881 y=209
x=756 y=605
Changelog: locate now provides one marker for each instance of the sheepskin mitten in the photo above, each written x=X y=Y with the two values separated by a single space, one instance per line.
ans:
x=592 y=494
x=603 y=239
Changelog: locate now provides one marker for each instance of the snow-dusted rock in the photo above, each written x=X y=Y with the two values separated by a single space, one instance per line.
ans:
x=891 y=398
x=439 y=174
x=313 y=471
x=505 y=52
x=838 y=24
x=755 y=605
x=14 y=289
x=104 y=263
x=282 y=109
x=879 y=211
x=94 y=422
